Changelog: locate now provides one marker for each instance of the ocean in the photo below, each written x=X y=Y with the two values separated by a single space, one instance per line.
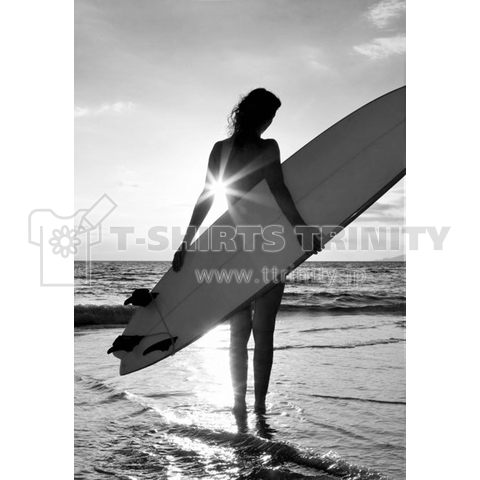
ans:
x=336 y=403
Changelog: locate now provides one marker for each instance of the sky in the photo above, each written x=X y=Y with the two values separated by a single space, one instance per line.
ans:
x=155 y=81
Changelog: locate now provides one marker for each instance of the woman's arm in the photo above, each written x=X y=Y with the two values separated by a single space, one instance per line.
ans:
x=200 y=211
x=274 y=177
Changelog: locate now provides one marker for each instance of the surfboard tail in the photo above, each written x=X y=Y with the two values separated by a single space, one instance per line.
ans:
x=141 y=297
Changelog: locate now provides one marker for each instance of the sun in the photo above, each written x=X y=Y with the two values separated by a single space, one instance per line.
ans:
x=219 y=192
x=219 y=189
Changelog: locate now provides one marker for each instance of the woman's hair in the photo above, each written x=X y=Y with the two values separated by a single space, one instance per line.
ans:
x=253 y=110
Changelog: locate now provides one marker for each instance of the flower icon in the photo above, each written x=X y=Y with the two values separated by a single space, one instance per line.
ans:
x=64 y=241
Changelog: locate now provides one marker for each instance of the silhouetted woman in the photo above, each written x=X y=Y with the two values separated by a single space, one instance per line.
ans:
x=240 y=162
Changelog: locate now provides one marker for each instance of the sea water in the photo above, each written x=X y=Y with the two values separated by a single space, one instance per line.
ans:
x=336 y=403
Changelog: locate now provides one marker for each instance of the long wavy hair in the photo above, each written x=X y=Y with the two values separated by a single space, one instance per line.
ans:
x=251 y=112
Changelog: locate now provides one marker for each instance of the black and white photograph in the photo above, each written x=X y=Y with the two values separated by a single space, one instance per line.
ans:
x=239 y=239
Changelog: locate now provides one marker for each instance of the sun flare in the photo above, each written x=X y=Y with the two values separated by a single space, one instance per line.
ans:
x=219 y=189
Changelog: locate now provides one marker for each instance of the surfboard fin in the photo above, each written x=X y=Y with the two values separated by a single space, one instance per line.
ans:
x=164 y=345
x=125 y=342
x=141 y=297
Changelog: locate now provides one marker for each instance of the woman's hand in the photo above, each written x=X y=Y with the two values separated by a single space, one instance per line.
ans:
x=179 y=257
x=308 y=238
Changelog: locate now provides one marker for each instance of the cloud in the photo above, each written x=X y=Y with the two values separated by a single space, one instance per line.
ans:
x=129 y=184
x=80 y=112
x=383 y=13
x=117 y=107
x=381 y=48
x=391 y=212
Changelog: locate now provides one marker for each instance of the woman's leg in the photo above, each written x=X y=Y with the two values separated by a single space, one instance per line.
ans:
x=240 y=328
x=266 y=309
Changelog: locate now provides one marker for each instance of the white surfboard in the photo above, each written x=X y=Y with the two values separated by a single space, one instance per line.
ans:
x=332 y=179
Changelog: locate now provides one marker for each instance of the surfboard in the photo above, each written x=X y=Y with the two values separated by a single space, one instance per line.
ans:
x=333 y=179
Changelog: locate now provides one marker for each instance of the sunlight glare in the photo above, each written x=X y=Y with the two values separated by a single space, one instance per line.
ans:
x=219 y=188
x=220 y=206
x=216 y=365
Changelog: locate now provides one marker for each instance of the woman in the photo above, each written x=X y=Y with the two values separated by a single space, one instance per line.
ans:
x=249 y=160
